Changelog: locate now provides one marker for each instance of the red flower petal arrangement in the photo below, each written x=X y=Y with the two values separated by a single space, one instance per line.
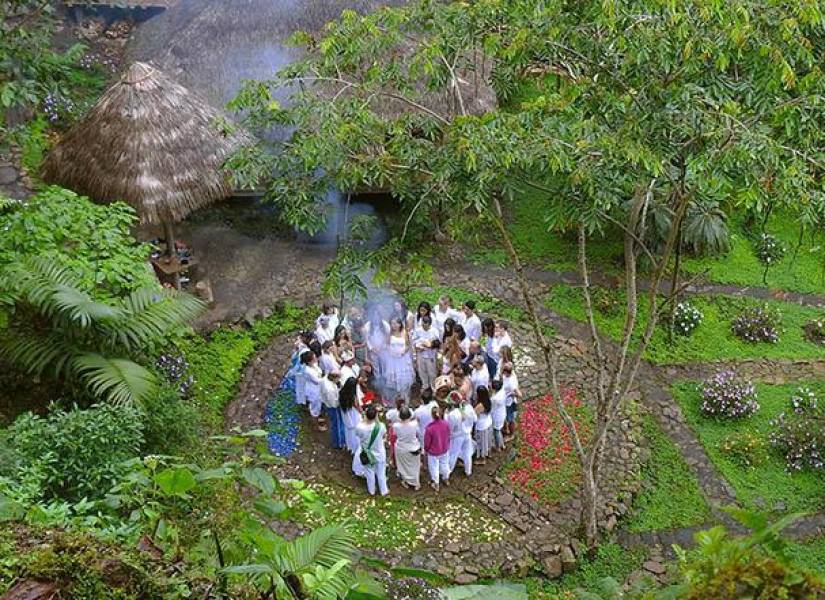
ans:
x=546 y=466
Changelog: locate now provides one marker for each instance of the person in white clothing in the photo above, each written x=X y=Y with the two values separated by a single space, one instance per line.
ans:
x=407 y=449
x=324 y=330
x=328 y=361
x=423 y=414
x=472 y=324
x=509 y=383
x=484 y=422
x=443 y=311
x=480 y=376
x=330 y=388
x=331 y=312
x=424 y=310
x=297 y=371
x=371 y=434
x=377 y=336
x=349 y=368
x=426 y=342
x=351 y=418
x=500 y=338
x=401 y=312
x=398 y=373
x=312 y=383
x=498 y=413
x=461 y=442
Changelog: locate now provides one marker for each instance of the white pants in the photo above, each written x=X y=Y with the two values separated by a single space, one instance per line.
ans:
x=315 y=407
x=357 y=467
x=379 y=471
x=439 y=465
x=462 y=447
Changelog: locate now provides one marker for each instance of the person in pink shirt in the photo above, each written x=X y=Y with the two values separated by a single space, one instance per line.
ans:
x=437 y=447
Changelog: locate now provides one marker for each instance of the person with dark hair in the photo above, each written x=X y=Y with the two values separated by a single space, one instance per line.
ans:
x=403 y=314
x=447 y=329
x=509 y=383
x=329 y=312
x=315 y=346
x=343 y=342
x=501 y=338
x=463 y=340
x=407 y=449
x=296 y=372
x=479 y=376
x=372 y=455
x=424 y=412
x=488 y=332
x=312 y=381
x=398 y=372
x=484 y=424
x=437 y=447
x=424 y=310
x=472 y=324
x=443 y=311
x=377 y=335
x=327 y=360
x=462 y=382
x=329 y=398
x=325 y=328
x=426 y=345
x=348 y=403
x=498 y=413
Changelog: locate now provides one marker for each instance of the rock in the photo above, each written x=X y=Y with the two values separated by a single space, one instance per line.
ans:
x=655 y=567
x=568 y=559
x=552 y=566
x=465 y=578
x=7 y=175
x=504 y=499
x=453 y=548
x=611 y=523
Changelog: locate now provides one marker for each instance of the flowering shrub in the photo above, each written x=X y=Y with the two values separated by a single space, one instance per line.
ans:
x=58 y=107
x=745 y=449
x=769 y=250
x=800 y=434
x=686 y=318
x=545 y=465
x=175 y=369
x=759 y=324
x=815 y=331
x=282 y=417
x=725 y=395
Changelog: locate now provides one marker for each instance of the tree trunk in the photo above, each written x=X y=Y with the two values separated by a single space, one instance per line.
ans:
x=169 y=234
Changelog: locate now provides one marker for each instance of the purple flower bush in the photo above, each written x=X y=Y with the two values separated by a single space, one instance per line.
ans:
x=758 y=324
x=800 y=434
x=175 y=369
x=727 y=396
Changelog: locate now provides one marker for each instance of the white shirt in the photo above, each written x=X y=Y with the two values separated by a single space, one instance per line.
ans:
x=483 y=421
x=406 y=433
x=509 y=385
x=312 y=381
x=324 y=334
x=456 y=422
x=364 y=433
x=328 y=363
x=499 y=410
x=495 y=347
x=333 y=320
x=377 y=340
x=349 y=371
x=423 y=339
x=480 y=377
x=472 y=327
x=468 y=418
x=329 y=393
x=439 y=317
x=424 y=415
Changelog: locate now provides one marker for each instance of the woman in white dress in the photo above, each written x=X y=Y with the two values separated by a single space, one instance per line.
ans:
x=407 y=449
x=399 y=374
x=347 y=403
x=371 y=433
x=376 y=335
x=480 y=376
x=509 y=383
x=498 y=413
x=312 y=382
x=400 y=311
x=484 y=425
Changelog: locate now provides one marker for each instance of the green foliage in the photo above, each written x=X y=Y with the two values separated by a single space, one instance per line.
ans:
x=745 y=449
x=754 y=566
x=705 y=229
x=767 y=486
x=94 y=241
x=75 y=453
x=171 y=424
x=33 y=140
x=712 y=341
x=57 y=329
x=670 y=496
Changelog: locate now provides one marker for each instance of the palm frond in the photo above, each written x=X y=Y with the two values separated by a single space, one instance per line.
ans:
x=324 y=546
x=37 y=354
x=119 y=380
x=151 y=314
x=7 y=204
x=78 y=306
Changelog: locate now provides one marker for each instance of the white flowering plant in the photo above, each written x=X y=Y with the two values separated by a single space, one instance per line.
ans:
x=686 y=318
x=799 y=434
x=727 y=396
x=758 y=324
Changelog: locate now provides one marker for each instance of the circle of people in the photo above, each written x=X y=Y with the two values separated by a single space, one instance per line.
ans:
x=357 y=377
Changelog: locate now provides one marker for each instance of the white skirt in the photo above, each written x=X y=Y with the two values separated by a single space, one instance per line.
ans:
x=398 y=374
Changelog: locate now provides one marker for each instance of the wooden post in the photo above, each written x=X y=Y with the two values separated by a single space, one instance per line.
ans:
x=169 y=234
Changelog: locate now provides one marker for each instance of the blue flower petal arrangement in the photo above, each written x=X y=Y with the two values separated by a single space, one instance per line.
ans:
x=283 y=419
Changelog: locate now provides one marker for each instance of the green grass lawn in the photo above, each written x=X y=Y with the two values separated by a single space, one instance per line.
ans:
x=740 y=266
x=767 y=485
x=809 y=554
x=712 y=340
x=670 y=496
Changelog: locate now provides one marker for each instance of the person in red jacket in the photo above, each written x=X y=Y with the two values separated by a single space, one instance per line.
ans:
x=437 y=447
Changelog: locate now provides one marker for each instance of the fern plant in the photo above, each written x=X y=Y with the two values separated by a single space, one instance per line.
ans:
x=57 y=330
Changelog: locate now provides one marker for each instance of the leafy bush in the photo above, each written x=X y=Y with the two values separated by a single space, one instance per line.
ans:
x=769 y=249
x=686 y=318
x=725 y=395
x=171 y=424
x=758 y=324
x=800 y=434
x=745 y=449
x=76 y=452
x=94 y=241
x=175 y=370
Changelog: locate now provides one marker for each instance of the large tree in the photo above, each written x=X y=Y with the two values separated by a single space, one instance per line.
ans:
x=677 y=104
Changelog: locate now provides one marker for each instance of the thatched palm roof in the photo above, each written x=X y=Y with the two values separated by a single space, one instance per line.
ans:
x=150 y=142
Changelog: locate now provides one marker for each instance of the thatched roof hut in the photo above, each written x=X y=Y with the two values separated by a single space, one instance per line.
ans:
x=150 y=142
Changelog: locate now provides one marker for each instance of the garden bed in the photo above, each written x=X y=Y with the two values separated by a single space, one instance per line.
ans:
x=766 y=485
x=711 y=341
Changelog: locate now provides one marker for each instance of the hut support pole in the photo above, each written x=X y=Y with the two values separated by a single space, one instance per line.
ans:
x=169 y=234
